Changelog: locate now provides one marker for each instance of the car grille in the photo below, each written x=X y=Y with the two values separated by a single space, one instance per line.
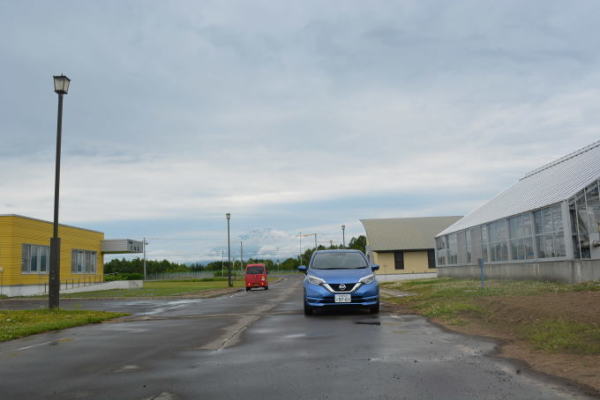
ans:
x=336 y=287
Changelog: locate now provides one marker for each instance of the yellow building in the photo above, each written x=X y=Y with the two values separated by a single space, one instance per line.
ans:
x=404 y=247
x=25 y=255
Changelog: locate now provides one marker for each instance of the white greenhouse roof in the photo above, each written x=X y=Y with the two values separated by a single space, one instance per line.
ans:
x=549 y=184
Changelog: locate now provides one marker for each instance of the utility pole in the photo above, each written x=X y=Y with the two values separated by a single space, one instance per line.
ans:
x=229 y=281
x=300 y=251
x=344 y=236
x=306 y=234
x=241 y=256
x=144 y=243
x=222 y=257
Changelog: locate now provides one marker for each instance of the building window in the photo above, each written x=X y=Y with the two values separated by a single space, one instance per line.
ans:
x=399 y=259
x=35 y=259
x=431 y=258
x=452 y=249
x=549 y=232
x=521 y=237
x=440 y=244
x=83 y=262
x=498 y=233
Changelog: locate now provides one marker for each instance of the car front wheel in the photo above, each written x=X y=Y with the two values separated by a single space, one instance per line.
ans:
x=374 y=309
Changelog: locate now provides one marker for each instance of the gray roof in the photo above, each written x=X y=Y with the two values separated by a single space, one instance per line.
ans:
x=544 y=186
x=386 y=234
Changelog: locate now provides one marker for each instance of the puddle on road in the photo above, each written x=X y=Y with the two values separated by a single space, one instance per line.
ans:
x=170 y=306
x=127 y=368
x=295 y=336
x=378 y=323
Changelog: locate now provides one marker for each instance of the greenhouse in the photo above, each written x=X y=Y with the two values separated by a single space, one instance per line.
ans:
x=546 y=226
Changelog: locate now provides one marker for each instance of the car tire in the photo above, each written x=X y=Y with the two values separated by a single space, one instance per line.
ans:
x=247 y=289
x=266 y=288
x=374 y=309
x=308 y=310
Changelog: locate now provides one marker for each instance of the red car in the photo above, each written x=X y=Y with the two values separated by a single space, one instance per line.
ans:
x=256 y=276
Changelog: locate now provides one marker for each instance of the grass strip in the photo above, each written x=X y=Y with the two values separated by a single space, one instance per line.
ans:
x=159 y=289
x=19 y=323
x=563 y=336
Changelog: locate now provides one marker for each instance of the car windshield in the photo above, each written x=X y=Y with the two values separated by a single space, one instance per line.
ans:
x=255 y=270
x=338 y=261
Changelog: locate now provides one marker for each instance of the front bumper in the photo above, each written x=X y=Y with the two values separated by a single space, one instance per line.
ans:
x=256 y=284
x=318 y=296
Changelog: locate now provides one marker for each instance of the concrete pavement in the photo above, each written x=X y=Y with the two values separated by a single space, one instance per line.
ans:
x=259 y=345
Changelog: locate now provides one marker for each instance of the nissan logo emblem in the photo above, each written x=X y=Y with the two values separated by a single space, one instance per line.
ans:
x=342 y=286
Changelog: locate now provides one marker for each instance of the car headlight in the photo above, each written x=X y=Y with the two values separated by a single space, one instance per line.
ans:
x=314 y=280
x=365 y=280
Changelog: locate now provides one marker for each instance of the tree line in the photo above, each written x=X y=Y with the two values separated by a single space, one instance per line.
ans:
x=136 y=265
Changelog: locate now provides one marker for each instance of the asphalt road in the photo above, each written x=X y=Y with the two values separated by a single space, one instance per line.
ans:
x=259 y=345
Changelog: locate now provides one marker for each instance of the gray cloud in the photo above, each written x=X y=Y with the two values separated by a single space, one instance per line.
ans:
x=196 y=107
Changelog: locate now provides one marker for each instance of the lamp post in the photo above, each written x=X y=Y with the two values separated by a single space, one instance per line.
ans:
x=61 y=87
x=229 y=281
x=344 y=236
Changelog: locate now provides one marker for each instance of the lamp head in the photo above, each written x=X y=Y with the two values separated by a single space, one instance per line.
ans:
x=61 y=84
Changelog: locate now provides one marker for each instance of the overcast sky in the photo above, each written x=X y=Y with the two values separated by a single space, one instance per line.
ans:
x=292 y=116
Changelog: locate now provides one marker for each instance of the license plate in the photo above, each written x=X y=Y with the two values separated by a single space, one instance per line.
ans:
x=343 y=298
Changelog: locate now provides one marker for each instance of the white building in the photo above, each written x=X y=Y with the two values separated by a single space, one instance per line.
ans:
x=546 y=226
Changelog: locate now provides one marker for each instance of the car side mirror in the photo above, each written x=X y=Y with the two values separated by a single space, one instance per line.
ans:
x=374 y=267
x=302 y=268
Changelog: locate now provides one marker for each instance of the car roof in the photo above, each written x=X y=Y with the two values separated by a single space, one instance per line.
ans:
x=339 y=251
x=255 y=265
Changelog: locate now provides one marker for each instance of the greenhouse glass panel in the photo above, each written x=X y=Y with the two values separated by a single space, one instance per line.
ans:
x=549 y=232
x=452 y=249
x=484 y=242
x=440 y=244
x=468 y=245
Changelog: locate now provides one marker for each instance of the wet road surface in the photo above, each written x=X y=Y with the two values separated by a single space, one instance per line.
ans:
x=259 y=345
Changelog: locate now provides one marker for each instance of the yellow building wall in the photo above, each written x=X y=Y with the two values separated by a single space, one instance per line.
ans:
x=16 y=231
x=385 y=262
x=415 y=262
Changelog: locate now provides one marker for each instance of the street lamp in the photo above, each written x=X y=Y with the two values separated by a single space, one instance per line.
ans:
x=229 y=281
x=344 y=236
x=61 y=87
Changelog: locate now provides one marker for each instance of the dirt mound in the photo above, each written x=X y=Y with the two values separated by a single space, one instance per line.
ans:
x=573 y=306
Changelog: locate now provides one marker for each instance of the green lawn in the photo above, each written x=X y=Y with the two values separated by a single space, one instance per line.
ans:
x=455 y=302
x=16 y=324
x=160 y=288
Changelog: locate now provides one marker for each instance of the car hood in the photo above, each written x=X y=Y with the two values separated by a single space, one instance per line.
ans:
x=340 y=275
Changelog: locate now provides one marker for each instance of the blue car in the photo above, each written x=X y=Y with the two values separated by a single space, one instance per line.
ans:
x=340 y=278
